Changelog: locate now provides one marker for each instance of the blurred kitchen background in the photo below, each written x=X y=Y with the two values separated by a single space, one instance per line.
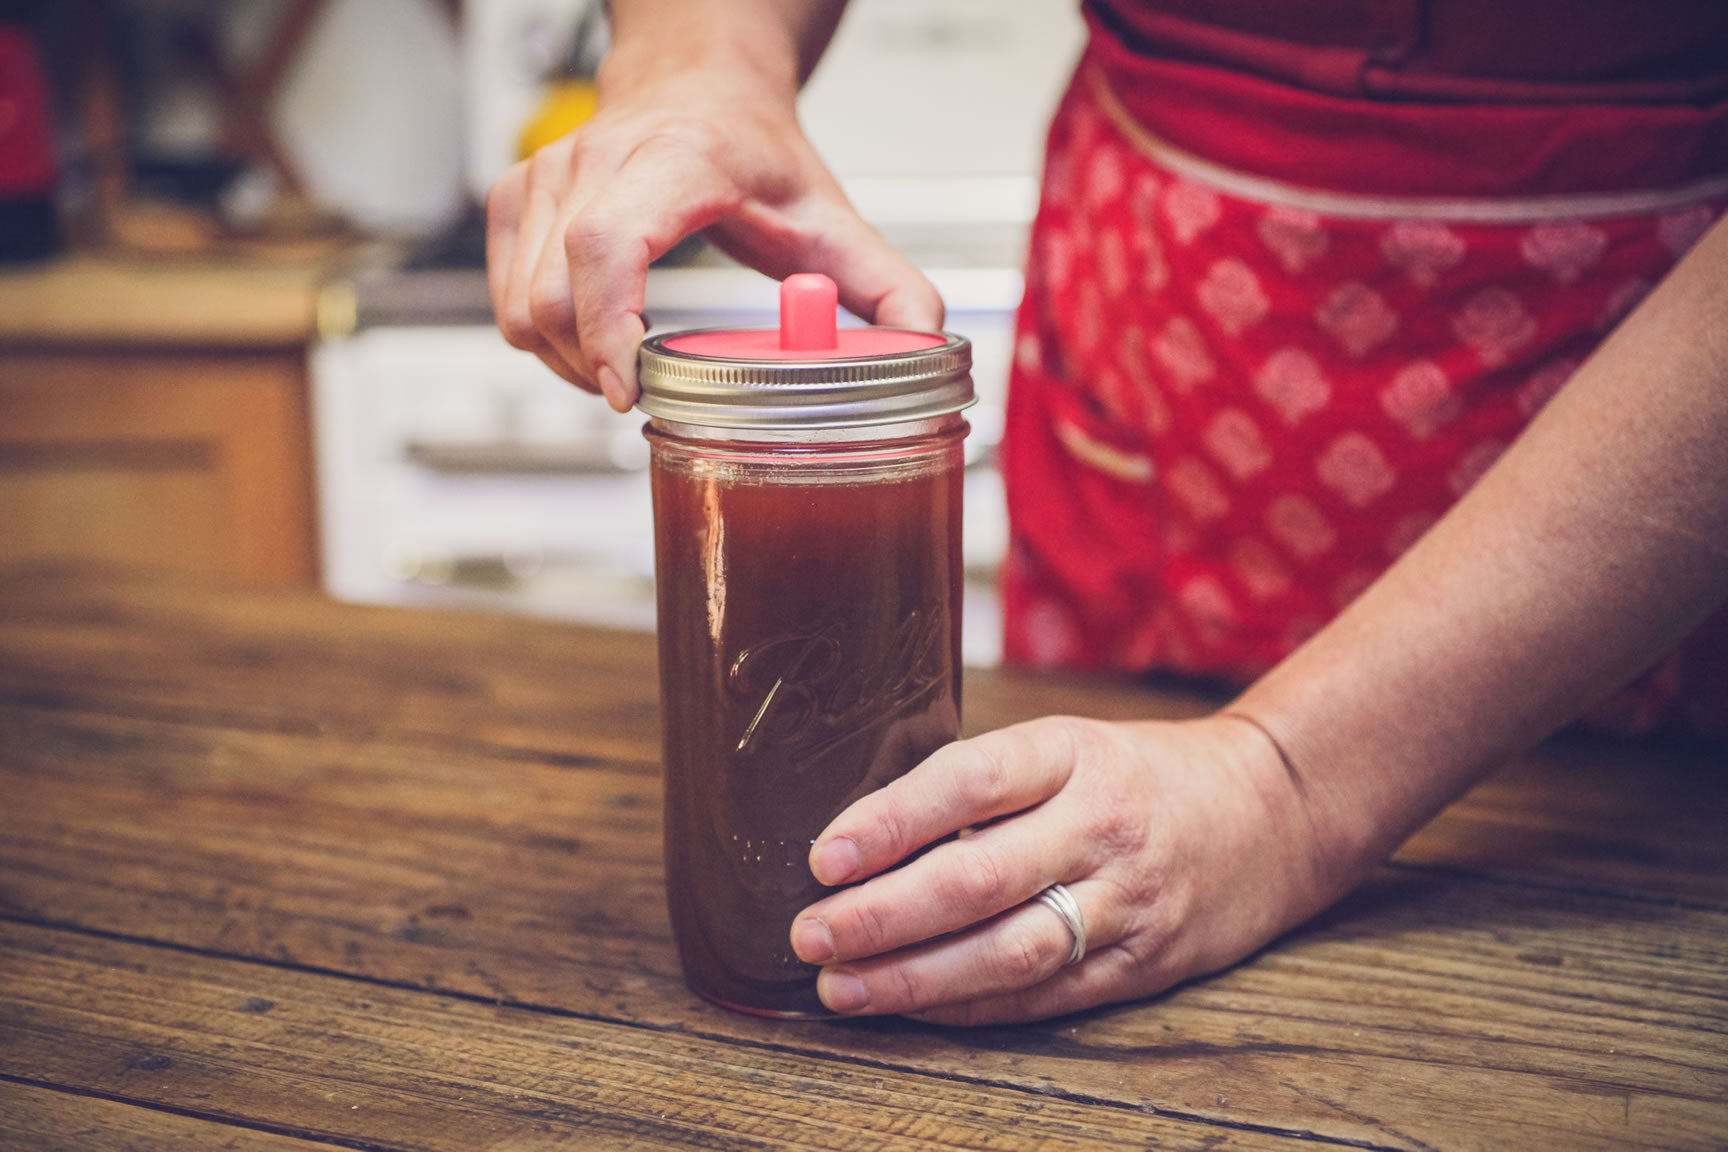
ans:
x=244 y=330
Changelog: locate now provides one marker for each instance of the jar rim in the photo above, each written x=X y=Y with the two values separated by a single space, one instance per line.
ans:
x=838 y=392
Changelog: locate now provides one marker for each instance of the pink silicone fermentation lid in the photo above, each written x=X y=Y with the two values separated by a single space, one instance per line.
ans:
x=807 y=373
x=809 y=330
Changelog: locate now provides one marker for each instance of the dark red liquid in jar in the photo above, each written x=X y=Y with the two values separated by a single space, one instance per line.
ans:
x=809 y=653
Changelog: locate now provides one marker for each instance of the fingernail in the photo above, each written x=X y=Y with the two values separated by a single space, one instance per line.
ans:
x=842 y=991
x=612 y=387
x=834 y=861
x=813 y=941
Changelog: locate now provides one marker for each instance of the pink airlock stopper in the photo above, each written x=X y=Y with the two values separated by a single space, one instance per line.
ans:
x=808 y=306
x=809 y=330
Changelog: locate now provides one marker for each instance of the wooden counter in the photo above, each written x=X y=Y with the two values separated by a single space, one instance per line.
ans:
x=155 y=413
x=282 y=874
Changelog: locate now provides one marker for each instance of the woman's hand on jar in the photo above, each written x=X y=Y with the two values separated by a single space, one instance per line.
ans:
x=1186 y=845
x=571 y=231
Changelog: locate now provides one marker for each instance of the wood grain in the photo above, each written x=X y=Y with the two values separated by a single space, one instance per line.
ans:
x=382 y=1068
x=59 y=1120
x=1617 y=816
x=504 y=880
x=462 y=812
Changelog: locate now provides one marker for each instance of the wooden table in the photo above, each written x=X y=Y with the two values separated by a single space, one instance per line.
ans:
x=282 y=874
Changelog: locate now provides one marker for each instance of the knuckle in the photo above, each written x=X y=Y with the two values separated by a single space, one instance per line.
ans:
x=1081 y=745
x=516 y=322
x=583 y=148
x=981 y=881
x=905 y=991
x=1119 y=831
x=589 y=236
x=987 y=787
x=1079 y=739
x=864 y=932
x=549 y=308
x=552 y=164
x=1021 y=957
x=887 y=834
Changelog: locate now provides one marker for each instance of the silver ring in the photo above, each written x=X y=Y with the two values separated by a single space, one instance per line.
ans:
x=1061 y=901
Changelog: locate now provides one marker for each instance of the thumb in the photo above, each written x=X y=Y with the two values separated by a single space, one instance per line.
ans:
x=876 y=283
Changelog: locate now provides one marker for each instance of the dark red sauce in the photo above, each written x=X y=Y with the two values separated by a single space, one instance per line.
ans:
x=809 y=654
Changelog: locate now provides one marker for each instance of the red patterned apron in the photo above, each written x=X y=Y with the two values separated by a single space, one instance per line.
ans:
x=1236 y=399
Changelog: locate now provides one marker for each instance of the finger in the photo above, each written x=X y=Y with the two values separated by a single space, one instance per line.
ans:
x=1104 y=977
x=526 y=208
x=827 y=235
x=957 y=885
x=876 y=282
x=505 y=203
x=1021 y=949
x=960 y=785
x=551 y=303
x=662 y=194
x=565 y=177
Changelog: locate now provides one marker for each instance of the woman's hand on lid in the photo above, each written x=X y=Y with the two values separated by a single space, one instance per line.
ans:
x=572 y=230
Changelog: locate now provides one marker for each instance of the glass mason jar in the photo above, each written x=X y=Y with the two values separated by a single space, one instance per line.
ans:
x=807 y=512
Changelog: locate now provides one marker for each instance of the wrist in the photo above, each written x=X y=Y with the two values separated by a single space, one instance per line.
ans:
x=1333 y=838
x=759 y=55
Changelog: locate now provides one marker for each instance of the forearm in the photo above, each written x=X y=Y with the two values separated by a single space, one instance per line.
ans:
x=777 y=41
x=1597 y=541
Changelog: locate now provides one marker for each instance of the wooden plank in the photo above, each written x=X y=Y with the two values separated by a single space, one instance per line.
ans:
x=387 y=1068
x=1429 y=1010
x=52 y=1120
x=283 y=661
x=1617 y=815
x=259 y=843
x=328 y=762
x=277 y=661
x=1609 y=815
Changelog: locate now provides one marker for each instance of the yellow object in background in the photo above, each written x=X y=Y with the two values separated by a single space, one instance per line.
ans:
x=568 y=104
